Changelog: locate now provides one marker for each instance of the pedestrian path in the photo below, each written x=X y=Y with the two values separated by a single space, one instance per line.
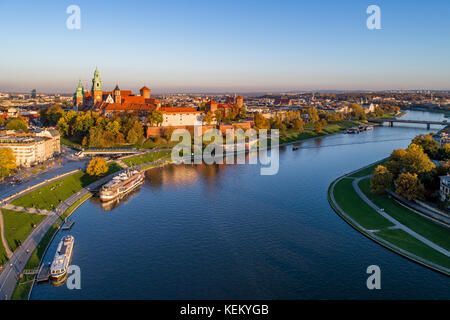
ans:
x=2 y=233
x=397 y=224
x=9 y=206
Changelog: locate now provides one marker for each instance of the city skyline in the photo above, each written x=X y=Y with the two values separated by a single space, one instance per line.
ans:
x=224 y=48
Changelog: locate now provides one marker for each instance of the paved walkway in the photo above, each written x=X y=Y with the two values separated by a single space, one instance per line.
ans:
x=2 y=232
x=9 y=206
x=11 y=272
x=372 y=233
x=397 y=224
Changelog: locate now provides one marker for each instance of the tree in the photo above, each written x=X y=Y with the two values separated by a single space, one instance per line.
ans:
x=408 y=186
x=381 y=180
x=429 y=146
x=312 y=114
x=136 y=133
x=208 y=118
x=218 y=116
x=97 y=166
x=155 y=117
x=7 y=161
x=17 y=124
x=318 y=127
x=261 y=122
x=297 y=124
x=53 y=114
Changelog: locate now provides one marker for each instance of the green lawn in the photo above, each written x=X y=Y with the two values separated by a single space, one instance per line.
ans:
x=49 y=196
x=368 y=170
x=148 y=157
x=3 y=256
x=433 y=232
x=407 y=242
x=23 y=286
x=356 y=208
x=18 y=225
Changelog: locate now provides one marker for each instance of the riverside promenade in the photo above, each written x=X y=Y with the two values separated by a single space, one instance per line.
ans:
x=14 y=267
x=374 y=233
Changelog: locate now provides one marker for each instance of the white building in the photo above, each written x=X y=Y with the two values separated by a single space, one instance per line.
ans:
x=444 y=189
x=34 y=148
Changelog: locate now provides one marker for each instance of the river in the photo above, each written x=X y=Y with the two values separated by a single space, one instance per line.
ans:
x=227 y=232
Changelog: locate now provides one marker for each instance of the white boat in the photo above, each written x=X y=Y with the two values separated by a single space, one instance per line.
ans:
x=62 y=259
x=121 y=184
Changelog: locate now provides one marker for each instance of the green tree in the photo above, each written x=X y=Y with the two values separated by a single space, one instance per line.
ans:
x=155 y=117
x=381 y=180
x=7 y=161
x=18 y=124
x=97 y=167
x=408 y=186
x=429 y=146
x=136 y=133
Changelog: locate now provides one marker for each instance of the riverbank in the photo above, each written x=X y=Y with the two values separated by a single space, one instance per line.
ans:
x=392 y=226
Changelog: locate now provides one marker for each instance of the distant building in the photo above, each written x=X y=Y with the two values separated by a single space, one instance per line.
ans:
x=368 y=107
x=33 y=148
x=33 y=93
x=444 y=190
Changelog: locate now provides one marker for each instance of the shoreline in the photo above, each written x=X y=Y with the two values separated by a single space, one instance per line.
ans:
x=164 y=162
x=384 y=243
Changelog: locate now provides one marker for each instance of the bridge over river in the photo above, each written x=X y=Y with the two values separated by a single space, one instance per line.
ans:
x=392 y=120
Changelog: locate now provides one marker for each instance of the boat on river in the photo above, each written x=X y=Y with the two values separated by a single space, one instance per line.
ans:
x=63 y=256
x=121 y=184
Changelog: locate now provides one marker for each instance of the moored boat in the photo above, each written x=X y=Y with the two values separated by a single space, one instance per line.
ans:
x=121 y=184
x=63 y=256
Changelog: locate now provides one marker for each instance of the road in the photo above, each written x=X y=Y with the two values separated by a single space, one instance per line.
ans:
x=10 y=275
x=68 y=164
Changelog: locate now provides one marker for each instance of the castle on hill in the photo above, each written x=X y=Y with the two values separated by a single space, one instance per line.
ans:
x=107 y=102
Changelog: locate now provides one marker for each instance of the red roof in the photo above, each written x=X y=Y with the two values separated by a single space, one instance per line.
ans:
x=179 y=110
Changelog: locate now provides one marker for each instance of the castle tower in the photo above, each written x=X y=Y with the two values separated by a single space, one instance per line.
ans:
x=97 y=91
x=117 y=98
x=79 y=95
x=145 y=92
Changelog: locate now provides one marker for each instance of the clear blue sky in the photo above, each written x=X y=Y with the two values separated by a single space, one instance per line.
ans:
x=242 y=46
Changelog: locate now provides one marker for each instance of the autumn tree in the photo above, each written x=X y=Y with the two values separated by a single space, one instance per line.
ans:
x=381 y=180
x=261 y=122
x=208 y=118
x=313 y=116
x=408 y=186
x=319 y=127
x=17 y=124
x=7 y=161
x=97 y=166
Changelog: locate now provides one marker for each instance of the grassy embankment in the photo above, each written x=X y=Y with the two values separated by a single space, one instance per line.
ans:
x=49 y=196
x=23 y=287
x=310 y=132
x=148 y=157
x=352 y=205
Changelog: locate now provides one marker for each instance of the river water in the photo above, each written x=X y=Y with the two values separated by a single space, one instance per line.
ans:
x=227 y=232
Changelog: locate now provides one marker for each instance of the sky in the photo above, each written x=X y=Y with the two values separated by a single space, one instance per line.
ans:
x=225 y=46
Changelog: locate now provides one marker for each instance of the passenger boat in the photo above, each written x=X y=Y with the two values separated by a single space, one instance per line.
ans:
x=62 y=259
x=121 y=184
